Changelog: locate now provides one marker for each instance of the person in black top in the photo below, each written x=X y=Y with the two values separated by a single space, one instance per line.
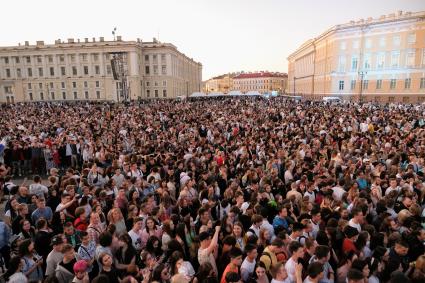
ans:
x=65 y=269
x=108 y=269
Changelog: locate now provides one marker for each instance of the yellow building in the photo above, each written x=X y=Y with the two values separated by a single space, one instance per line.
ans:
x=380 y=60
x=82 y=70
x=263 y=82
x=223 y=83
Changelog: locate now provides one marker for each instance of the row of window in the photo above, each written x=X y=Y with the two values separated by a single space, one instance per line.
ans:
x=380 y=58
x=49 y=58
x=154 y=57
x=52 y=71
x=63 y=85
x=370 y=42
x=393 y=84
x=256 y=81
x=156 y=93
x=164 y=83
x=155 y=70
x=52 y=95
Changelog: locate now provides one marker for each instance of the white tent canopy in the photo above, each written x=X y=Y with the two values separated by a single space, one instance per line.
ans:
x=253 y=93
x=198 y=94
x=215 y=94
x=235 y=93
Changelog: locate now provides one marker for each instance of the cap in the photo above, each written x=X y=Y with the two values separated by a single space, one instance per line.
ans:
x=80 y=265
x=57 y=240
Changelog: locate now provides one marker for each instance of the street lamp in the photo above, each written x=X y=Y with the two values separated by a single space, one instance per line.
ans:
x=361 y=74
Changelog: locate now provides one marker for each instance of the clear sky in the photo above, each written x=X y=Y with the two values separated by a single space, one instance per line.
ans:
x=224 y=35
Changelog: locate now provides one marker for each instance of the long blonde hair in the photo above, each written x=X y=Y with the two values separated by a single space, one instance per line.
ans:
x=110 y=215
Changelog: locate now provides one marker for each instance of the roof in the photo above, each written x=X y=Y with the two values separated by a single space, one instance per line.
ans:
x=261 y=75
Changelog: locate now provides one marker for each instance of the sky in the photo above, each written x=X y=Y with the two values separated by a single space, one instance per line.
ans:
x=224 y=35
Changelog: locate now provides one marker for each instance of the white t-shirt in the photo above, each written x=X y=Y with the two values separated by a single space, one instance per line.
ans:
x=247 y=268
x=354 y=225
x=290 y=269
x=204 y=257
x=338 y=192
x=135 y=239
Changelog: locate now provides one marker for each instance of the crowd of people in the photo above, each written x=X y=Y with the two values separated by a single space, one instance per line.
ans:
x=213 y=190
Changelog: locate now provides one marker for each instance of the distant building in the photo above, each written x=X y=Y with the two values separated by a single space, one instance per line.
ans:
x=380 y=60
x=81 y=70
x=223 y=83
x=263 y=82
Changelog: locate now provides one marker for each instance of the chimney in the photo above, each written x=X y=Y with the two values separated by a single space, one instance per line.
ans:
x=119 y=38
x=40 y=43
x=138 y=40
x=27 y=43
x=86 y=40
x=70 y=40
x=94 y=39
x=101 y=39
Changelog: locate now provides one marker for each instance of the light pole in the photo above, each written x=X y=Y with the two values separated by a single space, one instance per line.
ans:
x=361 y=74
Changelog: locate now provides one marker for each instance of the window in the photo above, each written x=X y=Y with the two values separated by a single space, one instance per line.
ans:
x=86 y=94
x=61 y=58
x=393 y=83
x=52 y=71
x=74 y=71
x=341 y=85
x=155 y=69
x=18 y=72
x=341 y=63
x=6 y=60
x=353 y=84
x=395 y=58
x=41 y=96
x=355 y=44
x=146 y=57
x=411 y=38
x=86 y=70
x=74 y=84
x=8 y=89
x=156 y=83
x=17 y=60
x=39 y=60
x=63 y=95
x=391 y=99
x=8 y=73
x=410 y=58
x=86 y=84
x=75 y=95
x=95 y=57
x=40 y=72
x=84 y=56
x=379 y=84
x=98 y=94
x=367 y=61
x=164 y=93
x=155 y=57
x=147 y=70
x=28 y=58
x=52 y=95
x=51 y=85
x=407 y=83
x=156 y=93
x=97 y=84
x=162 y=57
x=29 y=86
x=108 y=69
x=63 y=85
x=164 y=83
x=72 y=56
x=164 y=69
x=97 y=70
x=422 y=83
x=40 y=85
x=29 y=72
x=147 y=83
x=50 y=58
x=396 y=40
x=365 y=84
x=380 y=60
x=30 y=95
x=343 y=45
x=148 y=93
x=63 y=71
x=354 y=63
x=368 y=43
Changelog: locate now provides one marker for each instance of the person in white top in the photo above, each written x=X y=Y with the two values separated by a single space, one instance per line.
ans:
x=297 y=251
x=135 y=233
x=248 y=265
x=208 y=250
x=357 y=219
x=315 y=272
x=256 y=221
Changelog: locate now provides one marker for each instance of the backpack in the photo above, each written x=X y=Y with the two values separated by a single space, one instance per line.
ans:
x=271 y=262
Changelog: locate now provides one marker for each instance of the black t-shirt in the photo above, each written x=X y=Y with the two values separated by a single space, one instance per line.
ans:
x=69 y=266
x=112 y=275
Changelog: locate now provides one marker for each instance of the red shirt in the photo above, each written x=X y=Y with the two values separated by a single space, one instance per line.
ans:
x=229 y=268
x=348 y=246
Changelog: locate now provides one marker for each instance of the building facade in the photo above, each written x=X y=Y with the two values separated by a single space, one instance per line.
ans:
x=223 y=83
x=381 y=60
x=263 y=82
x=83 y=70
